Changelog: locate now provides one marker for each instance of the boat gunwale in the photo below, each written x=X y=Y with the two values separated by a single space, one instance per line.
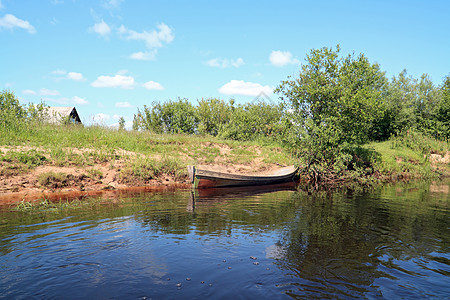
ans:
x=202 y=173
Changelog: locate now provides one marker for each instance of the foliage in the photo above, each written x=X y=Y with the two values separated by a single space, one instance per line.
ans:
x=213 y=114
x=170 y=117
x=146 y=169
x=17 y=117
x=213 y=117
x=53 y=180
x=121 y=123
x=32 y=158
x=441 y=114
x=332 y=105
x=251 y=120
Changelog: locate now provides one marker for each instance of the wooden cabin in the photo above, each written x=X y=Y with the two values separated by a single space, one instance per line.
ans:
x=58 y=115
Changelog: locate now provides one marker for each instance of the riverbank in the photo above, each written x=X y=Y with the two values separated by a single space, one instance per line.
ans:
x=68 y=159
x=73 y=159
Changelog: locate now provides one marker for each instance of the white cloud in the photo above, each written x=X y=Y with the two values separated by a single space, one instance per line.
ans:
x=47 y=92
x=282 y=58
x=68 y=101
x=125 y=82
x=148 y=55
x=9 y=21
x=75 y=76
x=61 y=74
x=29 y=92
x=79 y=101
x=101 y=29
x=101 y=117
x=240 y=87
x=225 y=63
x=112 y=4
x=1 y=5
x=152 y=39
x=152 y=85
x=123 y=105
x=122 y=72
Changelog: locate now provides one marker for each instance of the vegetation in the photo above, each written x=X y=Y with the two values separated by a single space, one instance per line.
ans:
x=338 y=104
x=341 y=119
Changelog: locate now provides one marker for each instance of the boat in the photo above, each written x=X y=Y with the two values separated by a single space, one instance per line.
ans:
x=202 y=178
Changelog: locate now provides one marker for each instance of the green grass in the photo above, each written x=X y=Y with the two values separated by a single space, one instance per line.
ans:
x=103 y=145
x=53 y=180
x=408 y=156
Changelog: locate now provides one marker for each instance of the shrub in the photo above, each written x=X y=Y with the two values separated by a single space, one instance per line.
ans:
x=54 y=180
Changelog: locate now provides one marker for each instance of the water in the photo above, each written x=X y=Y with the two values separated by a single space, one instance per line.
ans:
x=247 y=244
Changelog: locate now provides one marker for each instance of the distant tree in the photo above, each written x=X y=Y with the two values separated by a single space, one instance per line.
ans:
x=212 y=114
x=170 y=117
x=252 y=120
x=137 y=120
x=121 y=123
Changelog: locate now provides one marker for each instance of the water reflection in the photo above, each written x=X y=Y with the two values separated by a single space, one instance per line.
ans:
x=267 y=242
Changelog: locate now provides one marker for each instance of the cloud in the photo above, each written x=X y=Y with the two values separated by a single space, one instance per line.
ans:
x=282 y=58
x=225 y=63
x=123 y=105
x=152 y=39
x=68 y=101
x=240 y=87
x=148 y=55
x=9 y=21
x=1 y=5
x=61 y=74
x=101 y=29
x=101 y=117
x=125 y=82
x=111 y=4
x=47 y=92
x=29 y=92
x=79 y=101
x=75 y=76
x=152 y=85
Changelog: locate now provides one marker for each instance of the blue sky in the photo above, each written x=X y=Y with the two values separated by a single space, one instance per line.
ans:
x=109 y=57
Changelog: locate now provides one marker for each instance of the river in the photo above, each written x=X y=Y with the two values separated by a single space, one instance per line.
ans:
x=259 y=243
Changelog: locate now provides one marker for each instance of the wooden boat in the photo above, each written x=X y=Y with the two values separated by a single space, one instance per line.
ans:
x=202 y=178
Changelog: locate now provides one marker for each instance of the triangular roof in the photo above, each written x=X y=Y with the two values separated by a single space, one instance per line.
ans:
x=56 y=114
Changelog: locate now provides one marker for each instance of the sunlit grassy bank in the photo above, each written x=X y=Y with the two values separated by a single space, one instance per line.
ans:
x=135 y=157
x=75 y=156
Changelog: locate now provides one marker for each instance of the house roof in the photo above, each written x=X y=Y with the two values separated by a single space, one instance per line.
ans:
x=56 y=114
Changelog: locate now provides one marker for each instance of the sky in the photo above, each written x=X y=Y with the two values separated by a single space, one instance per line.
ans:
x=110 y=57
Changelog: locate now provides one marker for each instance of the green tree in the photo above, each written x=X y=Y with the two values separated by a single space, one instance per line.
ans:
x=137 y=120
x=332 y=104
x=213 y=114
x=171 y=117
x=253 y=120
x=121 y=123
x=441 y=113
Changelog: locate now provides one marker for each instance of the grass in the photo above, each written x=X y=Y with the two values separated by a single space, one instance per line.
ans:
x=408 y=156
x=140 y=156
x=143 y=170
x=54 y=180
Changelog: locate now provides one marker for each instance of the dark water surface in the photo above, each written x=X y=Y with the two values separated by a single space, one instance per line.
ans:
x=250 y=244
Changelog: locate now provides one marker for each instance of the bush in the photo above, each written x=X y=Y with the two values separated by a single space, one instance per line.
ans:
x=53 y=180
x=170 y=117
